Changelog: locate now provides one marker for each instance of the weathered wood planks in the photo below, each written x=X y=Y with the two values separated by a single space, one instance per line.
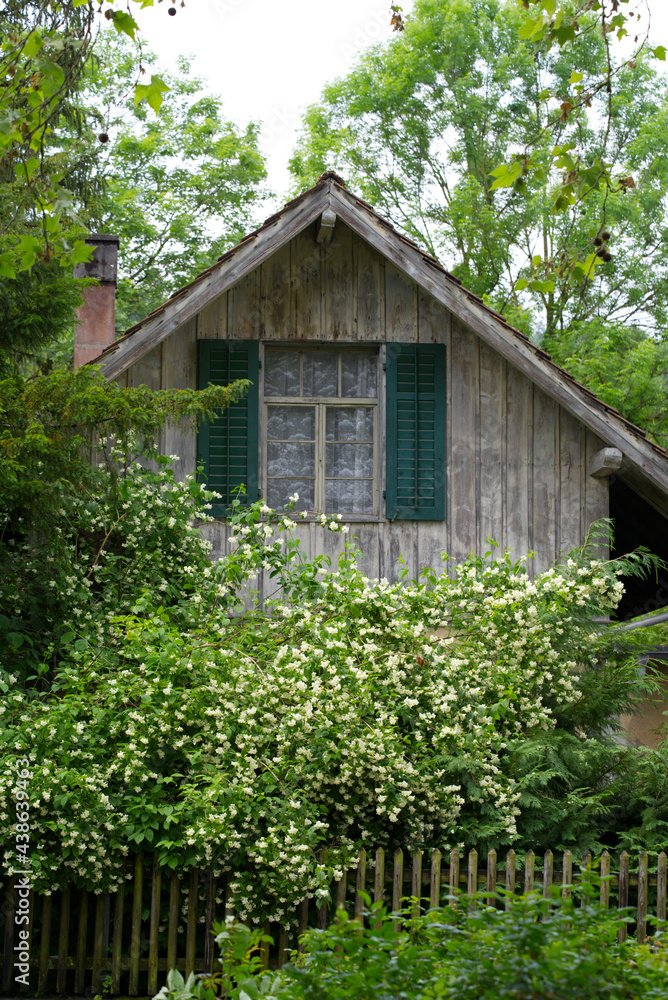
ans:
x=516 y=461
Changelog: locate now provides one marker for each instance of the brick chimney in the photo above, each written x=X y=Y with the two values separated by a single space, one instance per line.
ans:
x=96 y=317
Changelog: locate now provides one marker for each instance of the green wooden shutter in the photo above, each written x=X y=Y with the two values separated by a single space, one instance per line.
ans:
x=227 y=444
x=415 y=432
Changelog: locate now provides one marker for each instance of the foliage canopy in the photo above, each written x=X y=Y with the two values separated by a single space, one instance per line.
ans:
x=178 y=188
x=44 y=46
x=569 y=234
x=531 y=948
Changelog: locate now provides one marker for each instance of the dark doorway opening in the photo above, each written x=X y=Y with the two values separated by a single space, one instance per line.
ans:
x=636 y=523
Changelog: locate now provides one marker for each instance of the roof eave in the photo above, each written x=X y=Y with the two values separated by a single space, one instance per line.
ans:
x=645 y=466
x=230 y=269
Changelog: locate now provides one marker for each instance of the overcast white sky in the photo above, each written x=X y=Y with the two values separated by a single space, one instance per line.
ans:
x=269 y=59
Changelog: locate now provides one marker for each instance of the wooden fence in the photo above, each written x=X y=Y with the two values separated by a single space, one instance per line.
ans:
x=125 y=942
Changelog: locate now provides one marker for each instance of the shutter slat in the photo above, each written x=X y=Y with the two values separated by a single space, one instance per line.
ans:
x=415 y=488
x=227 y=443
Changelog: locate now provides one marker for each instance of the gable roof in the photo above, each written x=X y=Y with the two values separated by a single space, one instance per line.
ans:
x=644 y=464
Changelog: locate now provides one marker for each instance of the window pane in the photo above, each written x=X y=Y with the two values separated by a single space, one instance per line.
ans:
x=287 y=459
x=349 y=423
x=358 y=374
x=321 y=373
x=291 y=423
x=349 y=496
x=281 y=373
x=349 y=460
x=279 y=492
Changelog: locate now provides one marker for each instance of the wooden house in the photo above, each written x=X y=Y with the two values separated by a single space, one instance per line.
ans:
x=385 y=391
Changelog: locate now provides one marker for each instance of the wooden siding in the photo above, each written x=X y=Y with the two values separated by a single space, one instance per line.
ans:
x=516 y=461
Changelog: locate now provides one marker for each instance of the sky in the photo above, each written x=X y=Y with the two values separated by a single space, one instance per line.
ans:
x=269 y=59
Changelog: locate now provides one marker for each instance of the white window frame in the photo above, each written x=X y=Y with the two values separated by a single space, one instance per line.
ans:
x=321 y=403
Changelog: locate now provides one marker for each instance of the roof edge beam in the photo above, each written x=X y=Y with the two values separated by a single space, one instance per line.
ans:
x=605 y=462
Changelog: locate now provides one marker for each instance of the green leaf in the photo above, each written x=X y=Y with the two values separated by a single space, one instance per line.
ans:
x=587 y=267
x=29 y=247
x=506 y=175
x=26 y=169
x=125 y=24
x=32 y=45
x=532 y=27
x=175 y=980
x=151 y=92
x=81 y=252
x=660 y=52
x=576 y=76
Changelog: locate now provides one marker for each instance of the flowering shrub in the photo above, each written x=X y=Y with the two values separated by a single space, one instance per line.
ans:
x=468 y=708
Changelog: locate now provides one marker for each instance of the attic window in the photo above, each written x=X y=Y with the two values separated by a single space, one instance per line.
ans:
x=321 y=418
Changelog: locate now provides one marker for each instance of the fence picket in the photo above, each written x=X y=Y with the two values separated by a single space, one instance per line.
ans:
x=472 y=876
x=360 y=883
x=323 y=914
x=98 y=944
x=529 y=868
x=585 y=875
x=208 y=923
x=623 y=891
x=117 y=940
x=661 y=886
x=283 y=946
x=435 y=878
x=82 y=934
x=511 y=872
x=379 y=877
x=135 y=932
x=191 y=922
x=454 y=875
x=567 y=875
x=379 y=883
x=604 y=895
x=548 y=874
x=641 y=929
x=173 y=921
x=416 y=884
x=156 y=884
x=397 y=880
x=63 y=941
x=491 y=877
x=45 y=944
x=264 y=946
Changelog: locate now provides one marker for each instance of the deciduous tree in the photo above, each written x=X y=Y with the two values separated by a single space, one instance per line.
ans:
x=178 y=188
x=424 y=124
